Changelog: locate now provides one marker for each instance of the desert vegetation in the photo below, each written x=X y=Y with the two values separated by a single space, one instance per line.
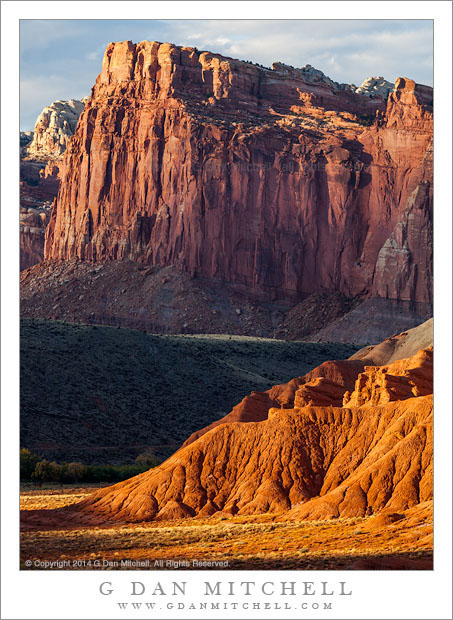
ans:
x=41 y=471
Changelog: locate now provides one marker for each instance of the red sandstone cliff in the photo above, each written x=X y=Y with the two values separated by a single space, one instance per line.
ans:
x=249 y=175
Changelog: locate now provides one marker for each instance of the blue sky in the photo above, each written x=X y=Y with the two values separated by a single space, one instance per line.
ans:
x=60 y=59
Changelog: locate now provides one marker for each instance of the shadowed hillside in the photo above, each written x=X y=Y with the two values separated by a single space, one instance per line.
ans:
x=103 y=394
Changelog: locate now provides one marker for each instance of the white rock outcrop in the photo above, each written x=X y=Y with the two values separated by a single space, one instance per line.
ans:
x=53 y=128
x=375 y=87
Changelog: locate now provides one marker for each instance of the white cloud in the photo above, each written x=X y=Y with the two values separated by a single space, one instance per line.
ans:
x=355 y=49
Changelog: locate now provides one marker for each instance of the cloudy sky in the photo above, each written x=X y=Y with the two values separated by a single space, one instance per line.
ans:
x=60 y=59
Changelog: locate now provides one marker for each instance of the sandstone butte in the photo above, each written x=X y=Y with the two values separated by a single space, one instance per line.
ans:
x=323 y=451
x=273 y=180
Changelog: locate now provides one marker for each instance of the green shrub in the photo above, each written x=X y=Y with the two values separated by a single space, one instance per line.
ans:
x=46 y=471
x=40 y=471
x=28 y=462
x=76 y=472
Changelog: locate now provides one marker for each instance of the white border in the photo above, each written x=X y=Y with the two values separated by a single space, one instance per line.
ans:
x=411 y=594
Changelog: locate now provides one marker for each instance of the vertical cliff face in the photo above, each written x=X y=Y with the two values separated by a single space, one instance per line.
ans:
x=268 y=178
x=404 y=265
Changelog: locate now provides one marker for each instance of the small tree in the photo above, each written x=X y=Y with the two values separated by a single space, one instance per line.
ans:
x=28 y=462
x=54 y=472
x=76 y=471
x=64 y=473
x=42 y=472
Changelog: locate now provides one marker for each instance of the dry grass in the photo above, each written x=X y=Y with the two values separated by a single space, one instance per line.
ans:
x=247 y=542
x=51 y=496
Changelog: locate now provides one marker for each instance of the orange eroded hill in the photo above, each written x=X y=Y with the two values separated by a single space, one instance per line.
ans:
x=371 y=453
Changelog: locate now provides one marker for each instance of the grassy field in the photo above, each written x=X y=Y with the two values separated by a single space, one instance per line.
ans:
x=105 y=394
x=252 y=542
